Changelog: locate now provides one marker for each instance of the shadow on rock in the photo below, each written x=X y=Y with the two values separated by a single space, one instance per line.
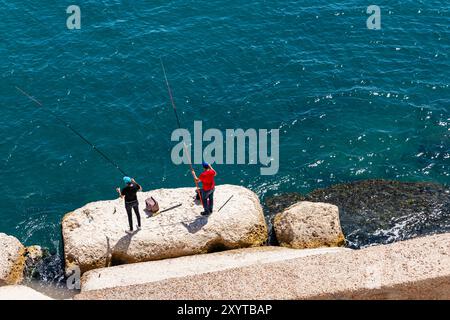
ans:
x=196 y=225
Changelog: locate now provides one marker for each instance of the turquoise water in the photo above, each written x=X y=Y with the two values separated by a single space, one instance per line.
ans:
x=350 y=103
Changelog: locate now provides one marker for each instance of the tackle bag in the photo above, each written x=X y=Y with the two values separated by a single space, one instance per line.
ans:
x=151 y=205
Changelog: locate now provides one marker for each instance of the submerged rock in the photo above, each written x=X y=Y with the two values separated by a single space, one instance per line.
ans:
x=309 y=225
x=380 y=211
x=94 y=235
x=33 y=255
x=12 y=260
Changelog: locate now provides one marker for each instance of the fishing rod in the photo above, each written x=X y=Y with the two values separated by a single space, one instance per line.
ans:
x=225 y=203
x=171 y=208
x=66 y=124
x=179 y=127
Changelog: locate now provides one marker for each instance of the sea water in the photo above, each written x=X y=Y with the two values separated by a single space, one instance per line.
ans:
x=350 y=103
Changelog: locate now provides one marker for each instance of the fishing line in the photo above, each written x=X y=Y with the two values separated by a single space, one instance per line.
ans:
x=66 y=124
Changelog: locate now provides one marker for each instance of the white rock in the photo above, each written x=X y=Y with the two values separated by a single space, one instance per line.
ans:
x=154 y=271
x=21 y=293
x=94 y=235
x=12 y=260
x=309 y=225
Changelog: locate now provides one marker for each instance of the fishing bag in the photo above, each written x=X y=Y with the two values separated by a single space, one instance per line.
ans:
x=151 y=205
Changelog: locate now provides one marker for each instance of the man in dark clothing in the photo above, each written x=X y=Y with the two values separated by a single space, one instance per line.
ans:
x=208 y=185
x=131 y=201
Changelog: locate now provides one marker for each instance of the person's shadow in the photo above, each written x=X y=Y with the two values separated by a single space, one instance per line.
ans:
x=108 y=253
x=196 y=225
x=122 y=246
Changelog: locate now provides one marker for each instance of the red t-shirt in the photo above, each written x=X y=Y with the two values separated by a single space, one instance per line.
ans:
x=207 y=178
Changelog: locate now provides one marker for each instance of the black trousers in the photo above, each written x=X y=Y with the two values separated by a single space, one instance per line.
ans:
x=129 y=206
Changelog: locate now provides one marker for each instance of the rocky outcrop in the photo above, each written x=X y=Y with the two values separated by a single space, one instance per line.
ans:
x=16 y=292
x=34 y=257
x=12 y=260
x=309 y=225
x=34 y=253
x=94 y=235
x=412 y=269
x=379 y=211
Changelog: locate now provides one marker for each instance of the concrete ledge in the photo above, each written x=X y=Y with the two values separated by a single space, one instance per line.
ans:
x=413 y=269
x=12 y=260
x=153 y=271
x=94 y=235
x=21 y=293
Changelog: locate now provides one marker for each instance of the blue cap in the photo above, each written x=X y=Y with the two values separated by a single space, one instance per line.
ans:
x=205 y=164
x=127 y=180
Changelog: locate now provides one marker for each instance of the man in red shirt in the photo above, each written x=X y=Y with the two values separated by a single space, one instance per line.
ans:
x=208 y=184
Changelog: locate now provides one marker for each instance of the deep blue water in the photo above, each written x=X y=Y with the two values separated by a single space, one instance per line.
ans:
x=350 y=103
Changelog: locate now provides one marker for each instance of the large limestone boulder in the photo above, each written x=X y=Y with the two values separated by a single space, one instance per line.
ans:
x=309 y=225
x=12 y=260
x=94 y=235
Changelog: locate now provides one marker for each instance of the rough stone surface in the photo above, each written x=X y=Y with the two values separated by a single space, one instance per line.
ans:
x=94 y=235
x=379 y=211
x=412 y=269
x=309 y=225
x=146 y=272
x=12 y=260
x=21 y=293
